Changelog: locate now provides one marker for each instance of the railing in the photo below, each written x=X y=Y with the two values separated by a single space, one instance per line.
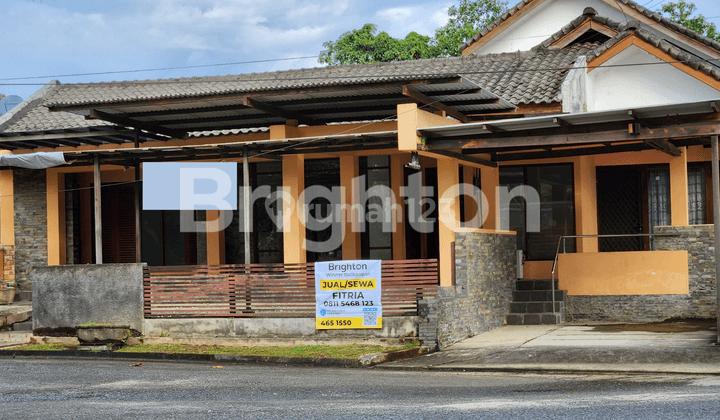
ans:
x=561 y=241
x=271 y=290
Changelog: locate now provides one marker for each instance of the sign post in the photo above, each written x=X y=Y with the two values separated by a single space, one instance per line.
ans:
x=347 y=295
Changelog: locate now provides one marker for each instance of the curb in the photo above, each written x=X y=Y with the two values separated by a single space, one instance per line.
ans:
x=228 y=358
x=554 y=370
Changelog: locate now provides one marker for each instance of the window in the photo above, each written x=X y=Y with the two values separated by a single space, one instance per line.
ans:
x=554 y=185
x=697 y=207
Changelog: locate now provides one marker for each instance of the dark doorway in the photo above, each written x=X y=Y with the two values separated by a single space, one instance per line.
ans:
x=620 y=208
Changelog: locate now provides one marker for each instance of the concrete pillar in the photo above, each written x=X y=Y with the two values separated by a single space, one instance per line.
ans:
x=449 y=214
x=55 y=187
x=490 y=181
x=215 y=237
x=679 y=190
x=293 y=230
x=586 y=203
x=7 y=208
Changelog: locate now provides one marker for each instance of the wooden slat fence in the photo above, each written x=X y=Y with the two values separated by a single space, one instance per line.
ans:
x=271 y=290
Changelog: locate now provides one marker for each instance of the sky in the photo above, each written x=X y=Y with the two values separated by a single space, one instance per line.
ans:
x=55 y=39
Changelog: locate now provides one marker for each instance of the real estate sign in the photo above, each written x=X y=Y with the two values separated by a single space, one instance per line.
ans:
x=347 y=294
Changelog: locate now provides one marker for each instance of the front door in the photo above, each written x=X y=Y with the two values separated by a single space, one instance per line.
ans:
x=619 y=204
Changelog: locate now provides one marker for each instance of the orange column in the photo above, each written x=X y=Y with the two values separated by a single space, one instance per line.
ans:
x=679 y=190
x=397 y=175
x=55 y=184
x=7 y=208
x=471 y=202
x=586 y=203
x=490 y=181
x=293 y=231
x=349 y=171
x=449 y=213
x=215 y=237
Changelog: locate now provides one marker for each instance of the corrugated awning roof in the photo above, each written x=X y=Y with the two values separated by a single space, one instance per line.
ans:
x=318 y=104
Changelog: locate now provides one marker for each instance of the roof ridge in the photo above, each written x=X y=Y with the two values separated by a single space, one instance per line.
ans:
x=657 y=17
x=633 y=27
x=37 y=98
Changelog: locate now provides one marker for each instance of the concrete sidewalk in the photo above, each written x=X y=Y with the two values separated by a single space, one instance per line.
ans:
x=647 y=348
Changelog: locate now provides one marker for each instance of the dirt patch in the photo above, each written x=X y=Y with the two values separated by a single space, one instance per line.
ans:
x=669 y=326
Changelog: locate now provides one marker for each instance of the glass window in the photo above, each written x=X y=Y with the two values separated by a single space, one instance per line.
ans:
x=658 y=198
x=697 y=210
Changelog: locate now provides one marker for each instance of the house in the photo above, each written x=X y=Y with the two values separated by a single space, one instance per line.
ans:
x=605 y=109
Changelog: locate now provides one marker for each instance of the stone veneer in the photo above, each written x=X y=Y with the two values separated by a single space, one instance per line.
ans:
x=30 y=223
x=485 y=275
x=699 y=303
x=8 y=260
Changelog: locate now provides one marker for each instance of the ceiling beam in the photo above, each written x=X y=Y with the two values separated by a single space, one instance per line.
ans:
x=127 y=122
x=414 y=94
x=664 y=146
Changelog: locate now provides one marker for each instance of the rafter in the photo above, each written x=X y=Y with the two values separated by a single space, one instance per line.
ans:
x=434 y=103
x=100 y=115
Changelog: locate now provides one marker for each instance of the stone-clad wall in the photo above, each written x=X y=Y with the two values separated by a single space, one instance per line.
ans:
x=485 y=274
x=30 y=223
x=8 y=256
x=699 y=303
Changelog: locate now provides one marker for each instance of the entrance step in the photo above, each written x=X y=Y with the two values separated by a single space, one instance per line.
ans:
x=8 y=338
x=532 y=304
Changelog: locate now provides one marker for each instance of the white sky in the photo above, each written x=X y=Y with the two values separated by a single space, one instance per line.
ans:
x=61 y=37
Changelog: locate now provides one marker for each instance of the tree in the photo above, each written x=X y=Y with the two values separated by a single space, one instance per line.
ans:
x=681 y=12
x=464 y=22
x=366 y=45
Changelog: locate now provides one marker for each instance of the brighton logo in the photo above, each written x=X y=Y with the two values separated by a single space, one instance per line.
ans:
x=213 y=186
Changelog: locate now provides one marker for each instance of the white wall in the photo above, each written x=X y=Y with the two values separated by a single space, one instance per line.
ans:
x=543 y=21
x=635 y=86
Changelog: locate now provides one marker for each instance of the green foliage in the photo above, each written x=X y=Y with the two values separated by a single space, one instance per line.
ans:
x=366 y=45
x=681 y=12
x=464 y=22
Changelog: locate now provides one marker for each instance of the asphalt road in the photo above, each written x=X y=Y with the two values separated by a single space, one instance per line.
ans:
x=79 y=389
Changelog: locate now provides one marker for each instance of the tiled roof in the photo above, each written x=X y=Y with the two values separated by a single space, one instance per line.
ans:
x=31 y=116
x=633 y=27
x=589 y=13
x=657 y=17
x=516 y=77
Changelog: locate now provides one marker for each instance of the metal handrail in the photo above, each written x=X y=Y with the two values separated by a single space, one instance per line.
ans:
x=561 y=240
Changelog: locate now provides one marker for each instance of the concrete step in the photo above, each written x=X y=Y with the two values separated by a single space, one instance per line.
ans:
x=535 y=319
x=535 y=307
x=538 y=296
x=535 y=285
x=15 y=337
x=12 y=314
x=23 y=326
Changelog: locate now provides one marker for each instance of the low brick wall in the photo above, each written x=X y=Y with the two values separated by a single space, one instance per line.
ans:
x=485 y=275
x=699 y=303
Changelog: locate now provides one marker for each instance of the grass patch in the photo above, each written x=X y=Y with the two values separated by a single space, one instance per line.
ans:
x=351 y=351
x=42 y=347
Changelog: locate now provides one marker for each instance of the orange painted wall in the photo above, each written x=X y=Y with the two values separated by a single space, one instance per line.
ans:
x=624 y=273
